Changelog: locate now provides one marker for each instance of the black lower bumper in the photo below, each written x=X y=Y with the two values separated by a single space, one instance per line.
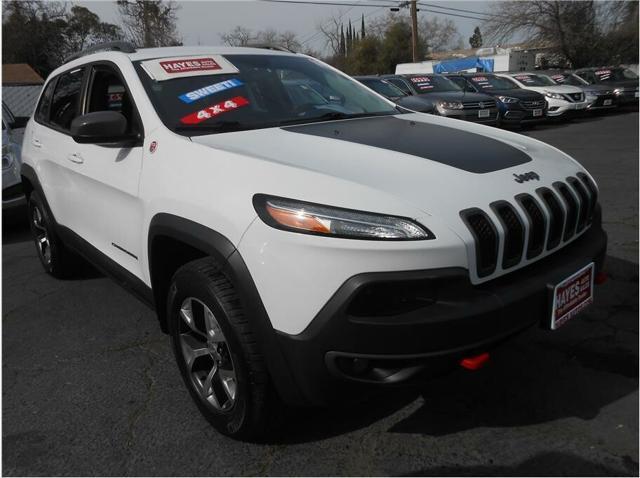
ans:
x=384 y=328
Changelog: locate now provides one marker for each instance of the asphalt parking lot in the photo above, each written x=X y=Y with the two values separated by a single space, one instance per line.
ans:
x=89 y=385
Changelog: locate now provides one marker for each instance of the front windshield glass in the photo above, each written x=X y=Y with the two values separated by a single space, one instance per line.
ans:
x=251 y=92
x=606 y=75
x=567 y=79
x=490 y=82
x=383 y=87
x=533 y=80
x=430 y=84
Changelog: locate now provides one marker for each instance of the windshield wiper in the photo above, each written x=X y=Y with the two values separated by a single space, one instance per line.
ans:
x=331 y=115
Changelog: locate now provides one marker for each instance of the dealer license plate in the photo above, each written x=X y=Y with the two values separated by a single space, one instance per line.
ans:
x=483 y=113
x=537 y=113
x=571 y=296
x=607 y=102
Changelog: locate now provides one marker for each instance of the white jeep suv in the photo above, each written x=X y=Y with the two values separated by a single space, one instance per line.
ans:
x=299 y=236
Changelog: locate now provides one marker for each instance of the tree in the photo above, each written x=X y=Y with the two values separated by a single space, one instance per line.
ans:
x=475 y=40
x=396 y=46
x=438 y=35
x=150 y=23
x=239 y=36
x=362 y=32
x=343 y=44
x=583 y=32
x=43 y=34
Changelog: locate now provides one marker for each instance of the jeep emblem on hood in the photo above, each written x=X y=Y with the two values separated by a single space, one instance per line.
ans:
x=521 y=178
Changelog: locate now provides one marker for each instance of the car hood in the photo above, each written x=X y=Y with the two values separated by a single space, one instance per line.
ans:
x=439 y=165
x=455 y=96
x=414 y=102
x=519 y=93
x=562 y=89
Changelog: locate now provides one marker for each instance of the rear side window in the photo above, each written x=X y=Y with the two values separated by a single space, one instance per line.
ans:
x=66 y=99
x=42 y=112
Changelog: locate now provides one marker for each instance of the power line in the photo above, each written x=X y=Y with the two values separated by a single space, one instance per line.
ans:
x=341 y=4
x=453 y=9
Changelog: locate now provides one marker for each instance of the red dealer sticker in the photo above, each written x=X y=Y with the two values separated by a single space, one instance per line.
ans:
x=191 y=64
x=215 y=110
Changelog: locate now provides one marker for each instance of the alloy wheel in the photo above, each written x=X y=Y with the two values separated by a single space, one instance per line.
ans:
x=207 y=355
x=41 y=235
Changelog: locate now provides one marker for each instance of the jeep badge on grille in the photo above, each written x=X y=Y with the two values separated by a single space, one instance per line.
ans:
x=521 y=178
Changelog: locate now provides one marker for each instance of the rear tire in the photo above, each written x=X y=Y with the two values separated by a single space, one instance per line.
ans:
x=56 y=259
x=217 y=353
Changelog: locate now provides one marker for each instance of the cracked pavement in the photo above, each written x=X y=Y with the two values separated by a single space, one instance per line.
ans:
x=90 y=386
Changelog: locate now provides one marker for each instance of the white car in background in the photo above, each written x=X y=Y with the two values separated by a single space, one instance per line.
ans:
x=562 y=99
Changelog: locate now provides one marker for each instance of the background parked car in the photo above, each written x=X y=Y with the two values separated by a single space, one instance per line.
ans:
x=516 y=105
x=598 y=96
x=623 y=80
x=448 y=98
x=12 y=133
x=395 y=94
x=563 y=100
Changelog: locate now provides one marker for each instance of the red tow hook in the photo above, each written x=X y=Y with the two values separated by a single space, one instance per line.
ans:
x=600 y=278
x=475 y=363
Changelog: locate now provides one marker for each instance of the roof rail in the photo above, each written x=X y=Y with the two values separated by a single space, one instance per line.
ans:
x=268 y=46
x=122 y=46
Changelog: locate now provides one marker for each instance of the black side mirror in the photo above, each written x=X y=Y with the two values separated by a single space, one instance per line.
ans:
x=101 y=127
x=19 y=122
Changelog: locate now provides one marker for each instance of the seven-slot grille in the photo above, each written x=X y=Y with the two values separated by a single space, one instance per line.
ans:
x=554 y=215
x=478 y=105
x=532 y=105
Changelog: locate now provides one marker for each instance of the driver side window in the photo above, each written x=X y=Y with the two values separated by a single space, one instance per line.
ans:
x=108 y=92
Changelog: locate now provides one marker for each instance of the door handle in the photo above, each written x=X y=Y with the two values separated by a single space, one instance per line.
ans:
x=75 y=158
x=36 y=143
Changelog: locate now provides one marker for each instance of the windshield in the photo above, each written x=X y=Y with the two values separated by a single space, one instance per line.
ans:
x=490 y=82
x=533 y=80
x=430 y=84
x=250 y=92
x=567 y=79
x=614 y=74
x=383 y=87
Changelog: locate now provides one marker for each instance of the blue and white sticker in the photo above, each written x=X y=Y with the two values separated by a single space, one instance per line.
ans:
x=209 y=90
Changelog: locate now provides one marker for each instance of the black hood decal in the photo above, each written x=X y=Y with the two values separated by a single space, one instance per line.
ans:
x=460 y=149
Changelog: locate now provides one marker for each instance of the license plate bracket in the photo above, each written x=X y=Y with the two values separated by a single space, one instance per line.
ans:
x=484 y=113
x=571 y=296
x=537 y=113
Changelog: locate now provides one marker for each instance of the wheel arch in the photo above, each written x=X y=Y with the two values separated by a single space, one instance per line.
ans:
x=174 y=241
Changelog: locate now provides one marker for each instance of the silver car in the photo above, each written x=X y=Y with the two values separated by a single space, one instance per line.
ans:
x=12 y=133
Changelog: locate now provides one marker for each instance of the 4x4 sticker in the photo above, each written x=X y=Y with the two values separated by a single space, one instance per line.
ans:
x=209 y=90
x=162 y=69
x=215 y=110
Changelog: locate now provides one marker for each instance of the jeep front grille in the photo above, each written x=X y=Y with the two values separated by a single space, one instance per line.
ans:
x=542 y=222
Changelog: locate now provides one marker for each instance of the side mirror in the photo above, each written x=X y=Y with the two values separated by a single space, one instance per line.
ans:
x=19 y=122
x=101 y=127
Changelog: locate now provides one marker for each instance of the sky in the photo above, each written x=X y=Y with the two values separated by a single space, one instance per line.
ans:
x=202 y=21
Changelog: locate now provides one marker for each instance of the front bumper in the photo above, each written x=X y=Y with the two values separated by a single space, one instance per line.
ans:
x=521 y=116
x=350 y=344
x=562 y=107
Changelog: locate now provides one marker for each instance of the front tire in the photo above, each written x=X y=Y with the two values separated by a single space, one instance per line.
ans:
x=56 y=259
x=217 y=353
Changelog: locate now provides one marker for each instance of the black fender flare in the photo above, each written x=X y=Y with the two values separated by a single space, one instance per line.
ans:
x=222 y=249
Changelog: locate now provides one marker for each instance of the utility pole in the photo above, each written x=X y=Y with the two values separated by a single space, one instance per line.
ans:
x=412 y=4
x=414 y=30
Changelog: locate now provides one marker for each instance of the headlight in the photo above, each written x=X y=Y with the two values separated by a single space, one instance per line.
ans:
x=308 y=218
x=508 y=99
x=557 y=96
x=618 y=91
x=451 y=105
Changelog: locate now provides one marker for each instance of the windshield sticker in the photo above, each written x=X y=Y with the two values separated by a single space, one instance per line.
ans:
x=162 y=69
x=215 y=110
x=480 y=78
x=523 y=77
x=558 y=78
x=209 y=90
x=603 y=72
x=422 y=82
